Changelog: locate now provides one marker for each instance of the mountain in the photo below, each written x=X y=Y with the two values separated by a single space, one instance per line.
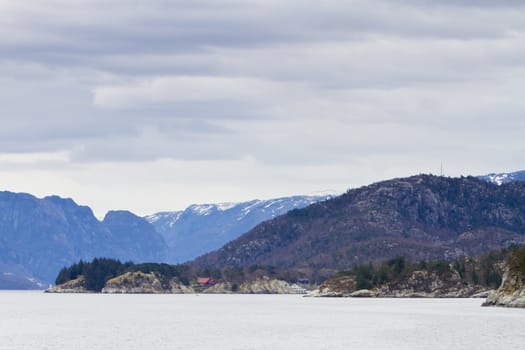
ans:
x=40 y=236
x=203 y=228
x=140 y=239
x=503 y=178
x=14 y=276
x=421 y=218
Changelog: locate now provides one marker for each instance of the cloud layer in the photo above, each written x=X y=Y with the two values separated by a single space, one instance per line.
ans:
x=294 y=90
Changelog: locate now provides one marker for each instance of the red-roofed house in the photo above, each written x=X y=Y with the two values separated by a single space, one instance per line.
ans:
x=205 y=281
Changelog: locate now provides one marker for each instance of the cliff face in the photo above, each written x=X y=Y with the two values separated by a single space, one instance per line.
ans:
x=511 y=293
x=40 y=236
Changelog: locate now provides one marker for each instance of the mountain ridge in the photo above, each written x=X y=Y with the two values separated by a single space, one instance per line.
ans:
x=201 y=228
x=30 y=226
x=40 y=236
x=422 y=217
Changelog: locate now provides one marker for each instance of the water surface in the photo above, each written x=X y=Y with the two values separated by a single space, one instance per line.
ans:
x=34 y=320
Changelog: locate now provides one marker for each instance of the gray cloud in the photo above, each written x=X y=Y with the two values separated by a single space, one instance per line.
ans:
x=267 y=84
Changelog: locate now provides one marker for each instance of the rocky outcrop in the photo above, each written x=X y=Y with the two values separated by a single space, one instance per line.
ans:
x=431 y=285
x=143 y=283
x=219 y=288
x=133 y=282
x=77 y=285
x=266 y=286
x=340 y=286
x=263 y=285
x=419 y=284
x=511 y=293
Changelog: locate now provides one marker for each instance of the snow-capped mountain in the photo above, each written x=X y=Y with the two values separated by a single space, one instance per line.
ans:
x=202 y=228
x=501 y=178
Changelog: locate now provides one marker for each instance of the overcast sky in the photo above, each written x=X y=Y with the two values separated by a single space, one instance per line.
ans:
x=154 y=105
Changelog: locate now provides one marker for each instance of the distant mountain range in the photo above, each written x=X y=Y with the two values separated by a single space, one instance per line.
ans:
x=40 y=236
x=203 y=228
x=421 y=218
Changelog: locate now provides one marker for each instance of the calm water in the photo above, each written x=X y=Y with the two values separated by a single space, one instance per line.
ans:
x=34 y=320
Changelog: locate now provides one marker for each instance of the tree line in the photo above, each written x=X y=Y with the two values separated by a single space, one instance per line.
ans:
x=485 y=270
x=100 y=270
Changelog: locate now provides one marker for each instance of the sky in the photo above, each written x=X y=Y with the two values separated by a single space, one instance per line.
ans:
x=155 y=105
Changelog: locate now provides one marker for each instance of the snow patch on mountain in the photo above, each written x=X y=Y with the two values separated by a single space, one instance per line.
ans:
x=503 y=178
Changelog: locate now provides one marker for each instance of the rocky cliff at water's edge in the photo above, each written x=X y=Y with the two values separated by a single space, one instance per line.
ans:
x=144 y=283
x=511 y=293
x=419 y=284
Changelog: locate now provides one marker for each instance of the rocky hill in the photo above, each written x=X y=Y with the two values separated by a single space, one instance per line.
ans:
x=40 y=236
x=202 y=228
x=421 y=218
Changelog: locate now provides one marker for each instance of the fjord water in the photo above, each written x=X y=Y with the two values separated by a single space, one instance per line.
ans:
x=34 y=320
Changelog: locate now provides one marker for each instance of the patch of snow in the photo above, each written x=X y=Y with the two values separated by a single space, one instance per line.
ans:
x=153 y=218
x=251 y=206
x=202 y=209
x=498 y=178
x=226 y=206
x=273 y=202
x=174 y=220
x=170 y=217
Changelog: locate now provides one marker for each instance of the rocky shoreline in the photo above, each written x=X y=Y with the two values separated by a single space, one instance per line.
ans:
x=420 y=284
x=150 y=283
x=395 y=279
x=511 y=293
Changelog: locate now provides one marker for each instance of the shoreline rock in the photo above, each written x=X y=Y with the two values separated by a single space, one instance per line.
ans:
x=511 y=293
x=74 y=286
x=144 y=283
x=420 y=284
